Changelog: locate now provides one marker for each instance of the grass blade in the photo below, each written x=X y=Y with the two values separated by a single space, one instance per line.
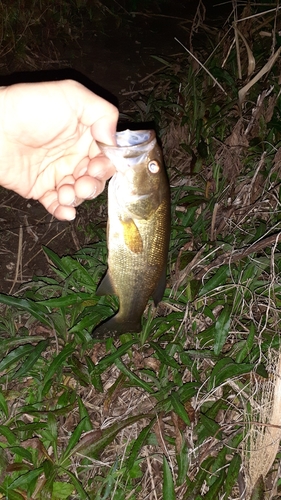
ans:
x=38 y=311
x=232 y=474
x=168 y=483
x=221 y=329
x=218 y=279
x=226 y=369
x=31 y=360
x=179 y=408
x=57 y=364
x=15 y=356
x=3 y=405
x=76 y=483
x=138 y=444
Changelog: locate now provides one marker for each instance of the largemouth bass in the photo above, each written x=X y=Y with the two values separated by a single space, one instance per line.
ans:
x=138 y=229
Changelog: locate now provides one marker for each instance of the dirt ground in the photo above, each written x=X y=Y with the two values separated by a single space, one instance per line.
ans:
x=115 y=61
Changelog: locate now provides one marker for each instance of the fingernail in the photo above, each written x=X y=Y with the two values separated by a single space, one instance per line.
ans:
x=75 y=202
x=93 y=194
x=71 y=218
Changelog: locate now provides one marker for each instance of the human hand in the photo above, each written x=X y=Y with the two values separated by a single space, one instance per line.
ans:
x=48 y=149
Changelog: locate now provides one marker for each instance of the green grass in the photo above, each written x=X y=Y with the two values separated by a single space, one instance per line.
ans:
x=167 y=412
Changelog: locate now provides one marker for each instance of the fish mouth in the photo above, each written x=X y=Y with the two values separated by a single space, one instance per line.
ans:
x=135 y=139
x=132 y=148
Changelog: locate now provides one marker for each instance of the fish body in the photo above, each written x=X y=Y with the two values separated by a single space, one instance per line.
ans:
x=138 y=230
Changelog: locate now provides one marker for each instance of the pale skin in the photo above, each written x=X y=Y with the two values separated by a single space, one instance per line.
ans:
x=48 y=149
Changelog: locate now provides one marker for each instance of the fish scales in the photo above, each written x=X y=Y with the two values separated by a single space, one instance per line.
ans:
x=137 y=236
x=131 y=271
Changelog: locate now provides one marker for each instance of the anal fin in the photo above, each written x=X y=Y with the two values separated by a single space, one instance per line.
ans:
x=106 y=286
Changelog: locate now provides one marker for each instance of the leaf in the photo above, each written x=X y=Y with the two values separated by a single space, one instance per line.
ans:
x=111 y=358
x=15 y=355
x=68 y=300
x=12 y=343
x=56 y=365
x=32 y=409
x=160 y=59
x=13 y=495
x=134 y=379
x=72 y=269
x=265 y=69
x=211 y=428
x=195 y=486
x=38 y=311
x=215 y=281
x=168 y=484
x=31 y=360
x=54 y=258
x=74 y=438
x=183 y=463
x=164 y=357
x=246 y=349
x=223 y=74
x=251 y=59
x=95 y=441
x=221 y=329
x=188 y=390
x=3 y=405
x=179 y=408
x=226 y=369
x=138 y=444
x=215 y=488
x=62 y=491
x=25 y=479
x=52 y=428
x=232 y=474
x=21 y=452
x=83 y=412
x=82 y=495
x=8 y=434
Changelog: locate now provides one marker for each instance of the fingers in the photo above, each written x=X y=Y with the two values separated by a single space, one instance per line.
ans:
x=87 y=188
x=86 y=182
x=84 y=188
x=101 y=168
x=50 y=201
x=71 y=192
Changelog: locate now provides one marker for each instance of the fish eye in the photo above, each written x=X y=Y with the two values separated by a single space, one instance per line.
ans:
x=153 y=167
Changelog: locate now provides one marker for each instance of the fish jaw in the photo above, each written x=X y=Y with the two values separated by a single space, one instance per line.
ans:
x=131 y=149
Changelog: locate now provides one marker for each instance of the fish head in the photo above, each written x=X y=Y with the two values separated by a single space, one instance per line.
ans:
x=140 y=174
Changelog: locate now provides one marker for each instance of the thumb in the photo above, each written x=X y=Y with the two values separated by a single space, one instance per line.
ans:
x=104 y=129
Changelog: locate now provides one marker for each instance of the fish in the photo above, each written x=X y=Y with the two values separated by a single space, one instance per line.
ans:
x=138 y=230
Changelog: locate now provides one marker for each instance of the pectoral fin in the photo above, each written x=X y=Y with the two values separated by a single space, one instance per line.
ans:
x=132 y=236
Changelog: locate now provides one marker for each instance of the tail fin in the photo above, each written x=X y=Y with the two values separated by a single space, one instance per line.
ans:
x=114 y=327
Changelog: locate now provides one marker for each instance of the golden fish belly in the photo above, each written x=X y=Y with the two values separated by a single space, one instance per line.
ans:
x=135 y=275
